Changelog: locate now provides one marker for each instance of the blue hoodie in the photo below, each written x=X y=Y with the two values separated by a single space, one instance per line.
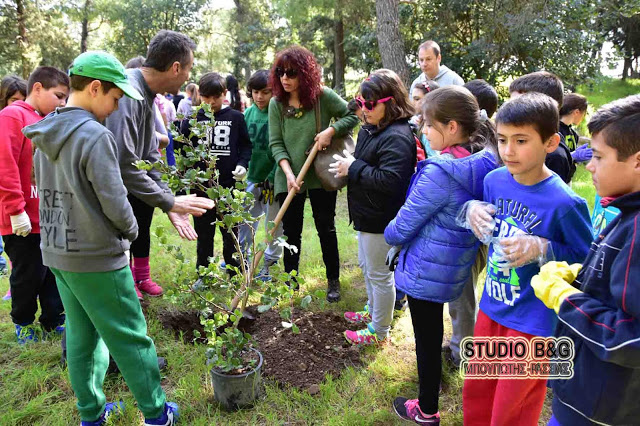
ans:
x=437 y=254
x=604 y=323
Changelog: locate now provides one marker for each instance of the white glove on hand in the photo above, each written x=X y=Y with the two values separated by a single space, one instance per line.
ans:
x=342 y=164
x=478 y=217
x=521 y=250
x=239 y=173
x=21 y=224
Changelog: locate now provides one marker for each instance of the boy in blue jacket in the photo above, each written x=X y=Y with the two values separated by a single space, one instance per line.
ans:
x=537 y=218
x=600 y=309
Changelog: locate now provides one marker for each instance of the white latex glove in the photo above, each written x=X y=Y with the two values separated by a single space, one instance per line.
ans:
x=342 y=164
x=521 y=250
x=21 y=224
x=239 y=173
x=478 y=217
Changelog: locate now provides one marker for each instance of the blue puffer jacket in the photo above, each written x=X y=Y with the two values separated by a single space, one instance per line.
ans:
x=437 y=254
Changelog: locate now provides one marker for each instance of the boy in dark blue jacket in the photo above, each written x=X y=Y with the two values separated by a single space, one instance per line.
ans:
x=229 y=140
x=600 y=312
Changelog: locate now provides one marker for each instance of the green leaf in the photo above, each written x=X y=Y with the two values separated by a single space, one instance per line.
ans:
x=304 y=303
x=263 y=308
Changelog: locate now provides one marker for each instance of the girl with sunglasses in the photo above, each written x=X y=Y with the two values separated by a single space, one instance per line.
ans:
x=437 y=255
x=295 y=79
x=379 y=175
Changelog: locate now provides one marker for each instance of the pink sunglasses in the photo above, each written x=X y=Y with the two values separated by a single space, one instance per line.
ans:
x=370 y=105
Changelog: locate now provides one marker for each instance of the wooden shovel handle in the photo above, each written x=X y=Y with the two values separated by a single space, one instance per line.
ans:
x=285 y=205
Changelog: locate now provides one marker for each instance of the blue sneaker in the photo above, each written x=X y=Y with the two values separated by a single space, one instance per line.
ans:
x=7 y=296
x=26 y=333
x=264 y=275
x=168 y=418
x=198 y=285
x=110 y=408
x=223 y=266
x=56 y=332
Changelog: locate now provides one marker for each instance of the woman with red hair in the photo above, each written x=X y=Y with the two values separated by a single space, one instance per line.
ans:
x=295 y=79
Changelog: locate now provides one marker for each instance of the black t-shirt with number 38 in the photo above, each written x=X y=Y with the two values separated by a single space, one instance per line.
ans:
x=228 y=139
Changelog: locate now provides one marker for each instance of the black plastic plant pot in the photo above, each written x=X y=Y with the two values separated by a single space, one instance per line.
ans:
x=238 y=391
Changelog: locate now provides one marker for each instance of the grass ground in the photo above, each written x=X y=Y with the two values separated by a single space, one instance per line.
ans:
x=34 y=390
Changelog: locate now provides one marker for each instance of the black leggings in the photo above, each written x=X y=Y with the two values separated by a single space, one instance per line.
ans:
x=144 y=214
x=428 y=330
x=206 y=231
x=323 y=205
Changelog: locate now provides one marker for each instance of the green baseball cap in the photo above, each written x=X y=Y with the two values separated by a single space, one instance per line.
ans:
x=104 y=66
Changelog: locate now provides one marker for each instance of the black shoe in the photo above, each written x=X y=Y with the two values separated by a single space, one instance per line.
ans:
x=333 y=290
x=448 y=359
x=400 y=305
x=162 y=363
x=293 y=284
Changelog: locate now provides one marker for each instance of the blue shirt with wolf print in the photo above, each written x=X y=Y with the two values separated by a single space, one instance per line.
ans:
x=548 y=209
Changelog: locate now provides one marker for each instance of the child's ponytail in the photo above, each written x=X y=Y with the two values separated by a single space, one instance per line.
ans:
x=234 y=93
x=485 y=136
x=455 y=103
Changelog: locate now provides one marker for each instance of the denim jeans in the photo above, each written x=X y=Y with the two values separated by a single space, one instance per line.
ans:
x=3 y=261
x=273 y=252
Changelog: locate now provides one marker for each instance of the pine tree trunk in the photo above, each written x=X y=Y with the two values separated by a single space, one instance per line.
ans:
x=627 y=67
x=242 y=61
x=389 y=40
x=23 y=42
x=84 y=36
x=338 y=51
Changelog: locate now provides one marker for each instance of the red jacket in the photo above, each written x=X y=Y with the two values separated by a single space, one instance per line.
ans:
x=18 y=190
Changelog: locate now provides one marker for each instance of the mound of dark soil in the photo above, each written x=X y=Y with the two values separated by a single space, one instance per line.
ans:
x=301 y=360
x=182 y=324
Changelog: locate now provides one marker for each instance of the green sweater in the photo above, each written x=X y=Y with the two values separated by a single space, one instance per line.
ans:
x=261 y=165
x=289 y=137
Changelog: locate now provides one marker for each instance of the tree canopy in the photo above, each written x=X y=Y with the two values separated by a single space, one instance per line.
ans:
x=493 y=40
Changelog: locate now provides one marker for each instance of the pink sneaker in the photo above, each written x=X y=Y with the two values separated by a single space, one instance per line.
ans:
x=7 y=296
x=409 y=409
x=149 y=287
x=360 y=316
x=363 y=337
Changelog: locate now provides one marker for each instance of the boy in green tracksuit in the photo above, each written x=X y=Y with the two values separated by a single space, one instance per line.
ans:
x=87 y=225
x=262 y=168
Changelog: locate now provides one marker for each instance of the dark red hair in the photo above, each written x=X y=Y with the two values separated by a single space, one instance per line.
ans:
x=309 y=75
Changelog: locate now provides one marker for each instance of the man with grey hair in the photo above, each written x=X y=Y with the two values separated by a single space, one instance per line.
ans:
x=429 y=58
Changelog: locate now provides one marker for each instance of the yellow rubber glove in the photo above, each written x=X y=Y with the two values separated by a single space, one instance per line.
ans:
x=561 y=269
x=552 y=284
